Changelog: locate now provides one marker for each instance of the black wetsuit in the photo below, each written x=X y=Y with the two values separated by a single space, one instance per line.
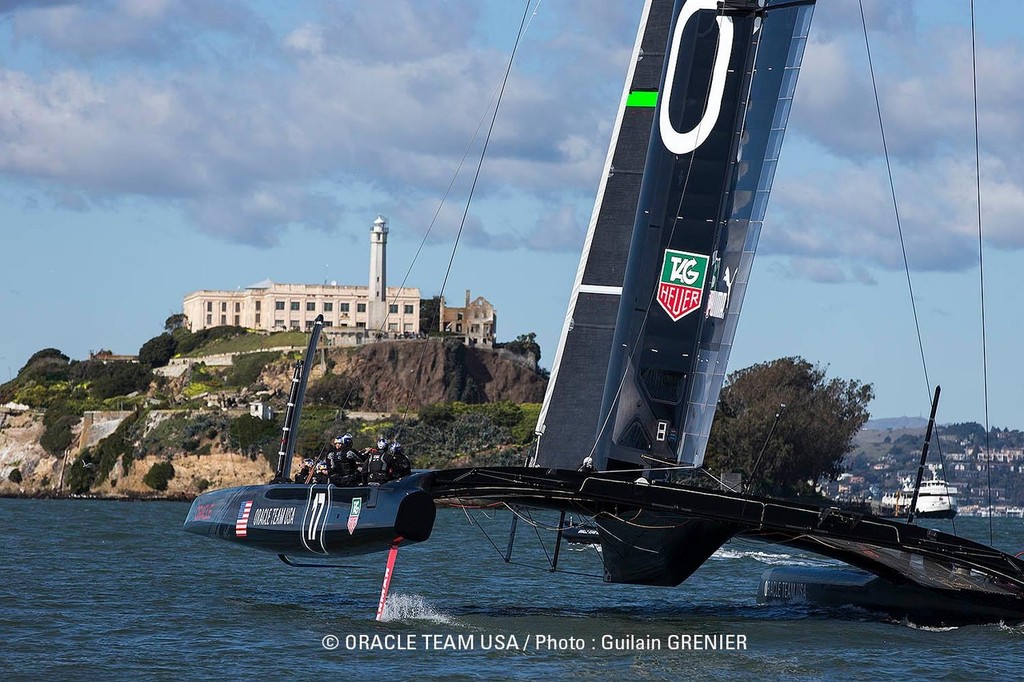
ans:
x=344 y=467
x=378 y=467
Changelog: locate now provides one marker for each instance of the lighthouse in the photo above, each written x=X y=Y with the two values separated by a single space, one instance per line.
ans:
x=377 y=309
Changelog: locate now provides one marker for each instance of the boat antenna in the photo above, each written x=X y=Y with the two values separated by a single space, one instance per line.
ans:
x=757 y=462
x=981 y=272
x=924 y=456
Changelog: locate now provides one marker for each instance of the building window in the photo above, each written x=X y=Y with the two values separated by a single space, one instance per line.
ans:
x=458 y=328
x=361 y=325
x=408 y=327
x=257 y=305
x=328 y=323
x=392 y=326
x=474 y=328
x=209 y=319
x=223 y=319
x=408 y=309
x=223 y=306
x=257 y=319
x=311 y=306
x=393 y=308
x=209 y=306
x=236 y=321
x=328 y=307
x=460 y=316
x=238 y=307
x=294 y=324
x=344 y=307
x=278 y=305
x=294 y=305
x=278 y=324
x=360 y=307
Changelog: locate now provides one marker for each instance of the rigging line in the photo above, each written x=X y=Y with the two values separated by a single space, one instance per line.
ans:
x=895 y=204
x=981 y=270
x=487 y=141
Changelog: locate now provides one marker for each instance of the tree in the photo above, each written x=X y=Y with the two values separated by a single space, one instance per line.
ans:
x=525 y=344
x=430 y=314
x=815 y=428
x=158 y=475
x=175 y=321
x=158 y=351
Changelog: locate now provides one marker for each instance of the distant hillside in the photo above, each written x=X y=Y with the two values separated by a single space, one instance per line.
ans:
x=886 y=423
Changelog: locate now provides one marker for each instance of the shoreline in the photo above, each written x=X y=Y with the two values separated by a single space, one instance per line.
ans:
x=53 y=495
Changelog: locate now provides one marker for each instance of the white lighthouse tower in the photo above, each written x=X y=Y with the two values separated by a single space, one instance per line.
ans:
x=377 y=309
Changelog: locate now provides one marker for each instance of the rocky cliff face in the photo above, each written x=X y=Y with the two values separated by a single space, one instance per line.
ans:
x=393 y=375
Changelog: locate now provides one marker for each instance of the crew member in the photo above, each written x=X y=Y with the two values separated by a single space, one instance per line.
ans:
x=320 y=473
x=303 y=474
x=588 y=465
x=343 y=462
x=400 y=464
x=378 y=464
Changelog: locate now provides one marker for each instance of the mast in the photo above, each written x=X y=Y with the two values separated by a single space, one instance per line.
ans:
x=296 y=396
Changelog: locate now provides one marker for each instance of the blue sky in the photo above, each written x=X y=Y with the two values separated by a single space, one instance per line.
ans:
x=149 y=148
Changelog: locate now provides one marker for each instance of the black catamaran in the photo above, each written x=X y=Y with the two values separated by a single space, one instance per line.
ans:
x=642 y=359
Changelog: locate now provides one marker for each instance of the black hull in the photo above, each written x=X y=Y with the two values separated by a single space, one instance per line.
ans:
x=316 y=520
x=945 y=514
x=838 y=587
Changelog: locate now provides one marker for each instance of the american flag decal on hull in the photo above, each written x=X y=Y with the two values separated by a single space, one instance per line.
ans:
x=242 y=522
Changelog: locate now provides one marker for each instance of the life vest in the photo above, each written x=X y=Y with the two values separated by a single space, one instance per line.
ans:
x=377 y=467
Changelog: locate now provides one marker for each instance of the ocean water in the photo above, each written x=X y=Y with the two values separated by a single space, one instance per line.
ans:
x=113 y=590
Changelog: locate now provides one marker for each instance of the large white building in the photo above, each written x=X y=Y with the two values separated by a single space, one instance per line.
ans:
x=270 y=306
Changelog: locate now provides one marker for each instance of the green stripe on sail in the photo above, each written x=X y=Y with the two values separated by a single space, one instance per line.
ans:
x=642 y=98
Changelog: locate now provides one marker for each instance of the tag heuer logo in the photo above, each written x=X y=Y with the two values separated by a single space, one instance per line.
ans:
x=681 y=289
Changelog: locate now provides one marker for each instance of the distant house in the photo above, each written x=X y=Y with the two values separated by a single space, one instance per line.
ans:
x=476 y=322
x=260 y=410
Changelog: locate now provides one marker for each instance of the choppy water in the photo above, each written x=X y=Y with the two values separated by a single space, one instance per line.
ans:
x=109 y=590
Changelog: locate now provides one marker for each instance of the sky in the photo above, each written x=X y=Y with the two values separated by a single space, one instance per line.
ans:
x=150 y=148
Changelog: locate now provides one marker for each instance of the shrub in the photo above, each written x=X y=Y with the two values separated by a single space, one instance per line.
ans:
x=251 y=435
x=158 y=351
x=202 y=484
x=81 y=474
x=246 y=368
x=60 y=418
x=158 y=475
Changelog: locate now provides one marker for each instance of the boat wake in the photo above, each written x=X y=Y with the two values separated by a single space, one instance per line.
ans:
x=772 y=558
x=413 y=607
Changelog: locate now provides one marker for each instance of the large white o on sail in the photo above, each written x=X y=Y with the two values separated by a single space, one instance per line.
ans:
x=684 y=143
